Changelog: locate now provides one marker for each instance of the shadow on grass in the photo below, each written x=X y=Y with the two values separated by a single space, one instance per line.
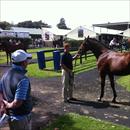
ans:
x=84 y=68
x=64 y=122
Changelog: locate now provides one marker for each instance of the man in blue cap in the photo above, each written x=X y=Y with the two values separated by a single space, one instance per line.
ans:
x=15 y=88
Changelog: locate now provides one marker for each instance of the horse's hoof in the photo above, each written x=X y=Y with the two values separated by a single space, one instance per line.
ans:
x=114 y=101
x=99 y=99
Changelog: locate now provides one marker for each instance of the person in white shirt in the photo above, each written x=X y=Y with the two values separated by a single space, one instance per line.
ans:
x=113 y=43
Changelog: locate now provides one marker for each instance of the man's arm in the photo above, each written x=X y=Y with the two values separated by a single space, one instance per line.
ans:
x=13 y=104
x=75 y=56
x=65 y=68
x=20 y=95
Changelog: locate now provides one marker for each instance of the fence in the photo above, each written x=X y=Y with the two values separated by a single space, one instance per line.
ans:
x=56 y=58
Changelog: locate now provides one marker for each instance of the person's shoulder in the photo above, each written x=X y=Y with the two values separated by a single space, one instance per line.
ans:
x=64 y=54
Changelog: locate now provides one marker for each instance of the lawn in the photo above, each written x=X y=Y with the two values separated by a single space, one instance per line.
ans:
x=72 y=121
x=34 y=71
x=124 y=81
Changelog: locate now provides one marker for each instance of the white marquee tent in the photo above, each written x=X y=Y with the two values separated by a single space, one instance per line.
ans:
x=32 y=31
x=49 y=34
x=80 y=33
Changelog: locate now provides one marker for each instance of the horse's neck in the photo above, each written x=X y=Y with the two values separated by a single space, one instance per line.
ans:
x=97 y=49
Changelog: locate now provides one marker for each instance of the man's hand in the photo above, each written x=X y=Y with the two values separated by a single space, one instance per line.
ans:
x=13 y=104
x=76 y=56
x=7 y=105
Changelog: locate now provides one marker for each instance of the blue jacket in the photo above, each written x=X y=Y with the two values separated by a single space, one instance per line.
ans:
x=15 y=85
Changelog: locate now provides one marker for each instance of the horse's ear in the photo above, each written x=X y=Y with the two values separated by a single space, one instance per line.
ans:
x=86 y=38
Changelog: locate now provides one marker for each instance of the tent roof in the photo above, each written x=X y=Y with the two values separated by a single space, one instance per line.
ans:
x=116 y=26
x=73 y=34
x=57 y=31
x=33 y=31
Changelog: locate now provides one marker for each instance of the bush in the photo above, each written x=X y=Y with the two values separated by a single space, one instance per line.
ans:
x=74 y=43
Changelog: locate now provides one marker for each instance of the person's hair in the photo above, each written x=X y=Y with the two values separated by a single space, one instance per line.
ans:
x=66 y=45
x=18 y=63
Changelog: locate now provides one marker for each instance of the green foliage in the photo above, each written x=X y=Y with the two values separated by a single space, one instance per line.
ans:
x=5 y=25
x=73 y=121
x=62 y=24
x=30 y=24
x=74 y=43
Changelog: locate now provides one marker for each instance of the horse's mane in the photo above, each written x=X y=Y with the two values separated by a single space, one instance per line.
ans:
x=99 y=43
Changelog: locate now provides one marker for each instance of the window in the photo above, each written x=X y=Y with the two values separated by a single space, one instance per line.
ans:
x=80 y=33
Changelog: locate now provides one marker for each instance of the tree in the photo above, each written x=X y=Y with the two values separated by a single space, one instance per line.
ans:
x=35 y=24
x=5 y=25
x=62 y=24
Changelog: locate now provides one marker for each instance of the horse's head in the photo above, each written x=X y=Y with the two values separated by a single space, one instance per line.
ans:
x=84 y=47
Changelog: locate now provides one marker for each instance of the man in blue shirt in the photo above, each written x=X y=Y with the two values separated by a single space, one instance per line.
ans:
x=15 y=88
x=67 y=73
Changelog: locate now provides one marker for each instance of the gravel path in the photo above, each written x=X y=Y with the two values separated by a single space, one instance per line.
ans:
x=48 y=102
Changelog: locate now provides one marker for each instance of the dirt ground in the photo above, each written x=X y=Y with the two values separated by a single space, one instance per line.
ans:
x=48 y=104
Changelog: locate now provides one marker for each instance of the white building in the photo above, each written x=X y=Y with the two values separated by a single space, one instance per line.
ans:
x=80 y=33
x=50 y=34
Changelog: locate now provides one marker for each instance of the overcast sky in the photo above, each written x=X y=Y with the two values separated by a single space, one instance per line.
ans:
x=76 y=13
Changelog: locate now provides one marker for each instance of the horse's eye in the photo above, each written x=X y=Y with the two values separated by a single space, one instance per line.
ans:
x=80 y=49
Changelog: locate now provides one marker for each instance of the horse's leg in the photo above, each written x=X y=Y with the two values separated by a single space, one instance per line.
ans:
x=103 y=76
x=7 y=58
x=10 y=58
x=111 y=77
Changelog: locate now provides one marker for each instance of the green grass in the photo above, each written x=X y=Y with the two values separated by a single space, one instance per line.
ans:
x=73 y=121
x=124 y=81
x=34 y=71
x=39 y=49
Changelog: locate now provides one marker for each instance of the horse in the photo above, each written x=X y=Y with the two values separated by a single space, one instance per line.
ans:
x=109 y=62
x=58 y=43
x=10 y=48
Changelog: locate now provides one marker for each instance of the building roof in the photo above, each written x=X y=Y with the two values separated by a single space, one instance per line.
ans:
x=116 y=26
x=73 y=34
x=32 y=31
x=56 y=31
x=126 y=33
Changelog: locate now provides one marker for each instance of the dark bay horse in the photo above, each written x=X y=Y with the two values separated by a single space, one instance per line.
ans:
x=10 y=48
x=108 y=62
